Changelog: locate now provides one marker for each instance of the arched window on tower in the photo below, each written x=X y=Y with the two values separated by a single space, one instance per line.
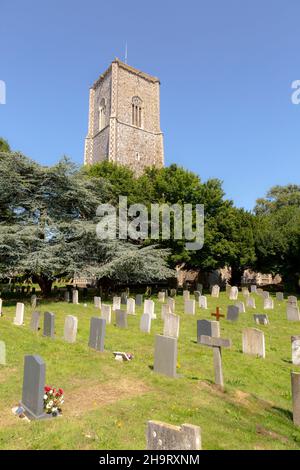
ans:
x=136 y=111
x=102 y=112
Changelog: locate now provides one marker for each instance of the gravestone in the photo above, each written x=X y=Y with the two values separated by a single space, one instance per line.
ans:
x=70 y=330
x=106 y=313
x=145 y=323
x=97 y=302
x=171 y=325
x=232 y=313
x=49 y=320
x=265 y=294
x=245 y=292
x=75 y=296
x=67 y=296
x=292 y=313
x=33 y=301
x=216 y=344
x=292 y=300
x=280 y=296
x=161 y=296
x=261 y=319
x=162 y=436
x=1 y=302
x=97 y=333
x=139 y=300
x=33 y=387
x=241 y=307
x=189 y=307
x=199 y=288
x=124 y=298
x=173 y=293
x=268 y=304
x=295 y=340
x=259 y=291
x=253 y=289
x=116 y=303
x=19 y=318
x=254 y=342
x=121 y=318
x=295 y=379
x=215 y=292
x=149 y=308
x=35 y=321
x=186 y=295
x=130 y=306
x=171 y=303
x=197 y=295
x=165 y=355
x=207 y=328
x=2 y=353
x=251 y=302
x=234 y=293
x=165 y=309
x=203 y=302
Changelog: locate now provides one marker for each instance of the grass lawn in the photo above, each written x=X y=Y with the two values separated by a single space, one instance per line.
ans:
x=108 y=403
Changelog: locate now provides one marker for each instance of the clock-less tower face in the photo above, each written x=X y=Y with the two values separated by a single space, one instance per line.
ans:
x=124 y=119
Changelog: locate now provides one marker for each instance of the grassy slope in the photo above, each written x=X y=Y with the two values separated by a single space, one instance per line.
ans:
x=108 y=403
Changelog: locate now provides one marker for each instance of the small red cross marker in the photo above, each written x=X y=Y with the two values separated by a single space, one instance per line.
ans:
x=217 y=314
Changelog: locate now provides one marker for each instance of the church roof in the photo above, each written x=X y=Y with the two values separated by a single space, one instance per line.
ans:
x=127 y=67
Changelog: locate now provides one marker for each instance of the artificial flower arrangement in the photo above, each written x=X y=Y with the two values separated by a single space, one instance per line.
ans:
x=53 y=400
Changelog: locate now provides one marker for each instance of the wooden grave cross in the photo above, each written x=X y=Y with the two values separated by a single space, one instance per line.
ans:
x=218 y=315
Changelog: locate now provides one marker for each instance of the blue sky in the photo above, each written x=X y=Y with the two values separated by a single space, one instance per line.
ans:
x=226 y=69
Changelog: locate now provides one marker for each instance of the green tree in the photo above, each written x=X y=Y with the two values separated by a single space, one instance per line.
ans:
x=278 y=234
x=48 y=228
x=4 y=145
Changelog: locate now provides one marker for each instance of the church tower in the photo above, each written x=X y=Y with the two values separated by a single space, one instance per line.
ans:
x=124 y=119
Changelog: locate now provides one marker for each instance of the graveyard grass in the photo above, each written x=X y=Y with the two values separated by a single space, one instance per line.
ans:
x=108 y=403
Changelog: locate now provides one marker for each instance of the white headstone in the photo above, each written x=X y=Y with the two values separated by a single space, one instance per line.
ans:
x=234 y=293
x=268 y=304
x=279 y=296
x=295 y=340
x=215 y=292
x=106 y=313
x=203 y=302
x=241 y=307
x=70 y=330
x=292 y=313
x=253 y=289
x=116 y=303
x=161 y=296
x=189 y=307
x=149 y=308
x=75 y=296
x=19 y=318
x=186 y=295
x=145 y=323
x=254 y=342
x=251 y=302
x=165 y=308
x=131 y=306
x=97 y=302
x=171 y=325
x=171 y=303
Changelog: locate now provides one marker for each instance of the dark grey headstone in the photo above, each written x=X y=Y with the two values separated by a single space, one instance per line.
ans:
x=121 y=319
x=139 y=299
x=207 y=328
x=261 y=319
x=123 y=298
x=33 y=387
x=35 y=321
x=232 y=313
x=49 y=320
x=197 y=295
x=97 y=333
x=165 y=355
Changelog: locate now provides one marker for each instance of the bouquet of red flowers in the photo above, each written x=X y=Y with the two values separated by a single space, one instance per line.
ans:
x=53 y=400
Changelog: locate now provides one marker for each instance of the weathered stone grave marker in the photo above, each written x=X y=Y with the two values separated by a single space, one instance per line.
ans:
x=234 y=293
x=2 y=353
x=189 y=307
x=35 y=321
x=162 y=436
x=292 y=313
x=130 y=306
x=241 y=307
x=295 y=340
x=203 y=302
x=33 y=387
x=254 y=342
x=295 y=379
x=116 y=303
x=121 y=319
x=106 y=313
x=97 y=333
x=215 y=292
x=97 y=302
x=165 y=355
x=161 y=296
x=232 y=313
x=75 y=296
x=149 y=308
x=49 y=324
x=139 y=300
x=171 y=325
x=70 y=330
x=145 y=323
x=261 y=319
x=19 y=318
x=216 y=344
x=207 y=328
x=268 y=304
x=251 y=303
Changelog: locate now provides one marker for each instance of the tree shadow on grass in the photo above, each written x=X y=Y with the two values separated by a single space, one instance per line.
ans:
x=286 y=413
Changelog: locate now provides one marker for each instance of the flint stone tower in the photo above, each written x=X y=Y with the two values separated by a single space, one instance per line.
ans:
x=124 y=119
